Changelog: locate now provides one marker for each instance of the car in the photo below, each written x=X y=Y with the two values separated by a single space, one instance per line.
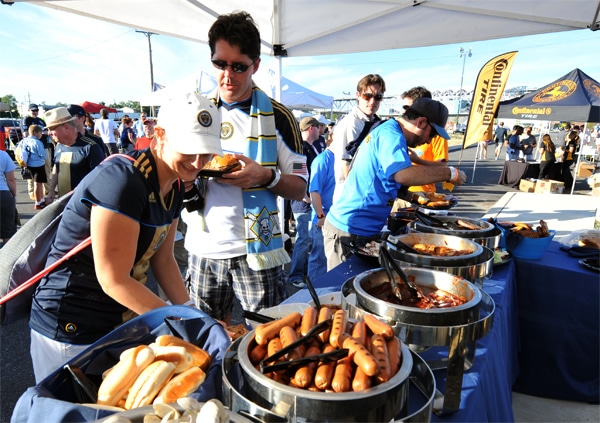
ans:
x=12 y=127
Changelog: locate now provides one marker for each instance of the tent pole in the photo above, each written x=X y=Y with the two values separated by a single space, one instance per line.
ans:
x=578 y=162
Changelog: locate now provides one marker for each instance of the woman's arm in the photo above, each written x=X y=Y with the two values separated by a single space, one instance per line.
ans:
x=114 y=245
x=11 y=182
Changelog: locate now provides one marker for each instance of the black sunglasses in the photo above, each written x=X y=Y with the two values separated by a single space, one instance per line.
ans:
x=236 y=67
x=369 y=96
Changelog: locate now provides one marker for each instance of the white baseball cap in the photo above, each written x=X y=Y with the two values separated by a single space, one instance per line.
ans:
x=192 y=124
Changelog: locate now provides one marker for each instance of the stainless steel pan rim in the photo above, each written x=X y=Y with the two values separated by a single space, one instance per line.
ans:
x=454 y=242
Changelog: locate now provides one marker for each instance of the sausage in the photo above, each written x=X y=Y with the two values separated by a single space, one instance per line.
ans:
x=309 y=319
x=258 y=353
x=361 y=380
x=324 y=314
x=340 y=320
x=378 y=327
x=380 y=352
x=360 y=355
x=267 y=331
x=325 y=371
x=359 y=332
x=342 y=376
x=395 y=354
x=304 y=374
x=288 y=336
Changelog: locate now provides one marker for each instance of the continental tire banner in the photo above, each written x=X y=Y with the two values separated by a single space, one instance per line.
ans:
x=486 y=97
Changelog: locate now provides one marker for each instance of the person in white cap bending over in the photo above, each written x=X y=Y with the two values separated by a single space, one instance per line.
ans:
x=381 y=167
x=129 y=206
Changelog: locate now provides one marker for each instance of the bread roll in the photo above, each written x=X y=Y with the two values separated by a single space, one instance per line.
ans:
x=177 y=355
x=201 y=358
x=124 y=374
x=149 y=383
x=181 y=385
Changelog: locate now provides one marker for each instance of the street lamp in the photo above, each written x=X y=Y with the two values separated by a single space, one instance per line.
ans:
x=463 y=54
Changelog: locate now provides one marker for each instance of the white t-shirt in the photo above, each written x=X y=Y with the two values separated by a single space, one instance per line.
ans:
x=223 y=234
x=106 y=127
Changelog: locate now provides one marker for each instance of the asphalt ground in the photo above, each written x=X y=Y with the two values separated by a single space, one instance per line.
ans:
x=474 y=200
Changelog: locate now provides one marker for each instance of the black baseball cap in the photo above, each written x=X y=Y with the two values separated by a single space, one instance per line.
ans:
x=33 y=107
x=76 y=110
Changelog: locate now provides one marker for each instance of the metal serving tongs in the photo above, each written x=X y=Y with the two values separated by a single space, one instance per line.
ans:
x=390 y=266
x=284 y=365
x=433 y=221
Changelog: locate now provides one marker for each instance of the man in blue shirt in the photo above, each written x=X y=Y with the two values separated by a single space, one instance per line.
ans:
x=381 y=167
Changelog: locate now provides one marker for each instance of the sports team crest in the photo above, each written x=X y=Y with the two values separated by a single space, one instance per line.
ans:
x=555 y=92
x=264 y=226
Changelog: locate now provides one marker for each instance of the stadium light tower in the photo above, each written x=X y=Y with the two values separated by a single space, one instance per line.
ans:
x=463 y=54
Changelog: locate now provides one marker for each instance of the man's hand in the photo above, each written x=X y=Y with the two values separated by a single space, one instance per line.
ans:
x=252 y=174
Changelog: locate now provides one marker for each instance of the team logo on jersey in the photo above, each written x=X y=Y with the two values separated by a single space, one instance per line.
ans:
x=226 y=130
x=204 y=118
x=70 y=327
x=555 y=92
x=262 y=225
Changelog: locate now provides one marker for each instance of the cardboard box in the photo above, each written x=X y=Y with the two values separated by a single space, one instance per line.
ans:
x=549 y=187
x=586 y=170
x=527 y=186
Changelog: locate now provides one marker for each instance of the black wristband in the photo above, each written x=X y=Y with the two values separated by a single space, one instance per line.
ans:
x=273 y=176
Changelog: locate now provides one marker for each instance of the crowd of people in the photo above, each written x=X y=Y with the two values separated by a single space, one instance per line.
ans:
x=340 y=182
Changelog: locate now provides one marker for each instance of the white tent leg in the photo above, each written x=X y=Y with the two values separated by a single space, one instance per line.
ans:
x=577 y=163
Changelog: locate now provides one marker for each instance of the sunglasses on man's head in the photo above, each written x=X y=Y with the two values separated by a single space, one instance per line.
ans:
x=369 y=96
x=236 y=67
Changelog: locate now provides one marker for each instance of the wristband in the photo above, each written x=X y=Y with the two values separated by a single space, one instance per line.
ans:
x=274 y=179
x=453 y=174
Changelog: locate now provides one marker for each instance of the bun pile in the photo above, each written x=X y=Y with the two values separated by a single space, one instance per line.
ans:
x=161 y=372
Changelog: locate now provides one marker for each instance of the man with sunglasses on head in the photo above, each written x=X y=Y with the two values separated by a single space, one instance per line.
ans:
x=381 y=167
x=352 y=128
x=233 y=237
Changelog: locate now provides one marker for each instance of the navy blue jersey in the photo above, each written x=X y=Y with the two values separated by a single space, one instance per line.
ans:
x=75 y=161
x=69 y=304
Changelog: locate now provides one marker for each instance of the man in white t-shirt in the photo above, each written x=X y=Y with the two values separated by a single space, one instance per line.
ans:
x=355 y=125
x=107 y=129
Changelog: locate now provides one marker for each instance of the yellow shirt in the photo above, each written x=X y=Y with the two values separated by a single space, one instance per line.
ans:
x=435 y=151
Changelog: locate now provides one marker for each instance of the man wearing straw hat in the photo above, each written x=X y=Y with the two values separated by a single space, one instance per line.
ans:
x=74 y=156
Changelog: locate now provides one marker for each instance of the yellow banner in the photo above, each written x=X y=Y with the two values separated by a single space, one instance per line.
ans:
x=486 y=97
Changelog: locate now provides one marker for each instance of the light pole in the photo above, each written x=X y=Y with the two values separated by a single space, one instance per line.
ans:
x=148 y=35
x=463 y=54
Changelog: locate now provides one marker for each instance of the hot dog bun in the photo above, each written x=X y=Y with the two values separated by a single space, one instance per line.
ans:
x=177 y=355
x=149 y=383
x=124 y=374
x=200 y=357
x=226 y=162
x=181 y=385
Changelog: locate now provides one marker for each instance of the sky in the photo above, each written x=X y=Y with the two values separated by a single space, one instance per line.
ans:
x=50 y=56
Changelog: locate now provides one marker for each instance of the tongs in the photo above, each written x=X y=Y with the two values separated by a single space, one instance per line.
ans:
x=284 y=365
x=433 y=221
x=403 y=246
x=390 y=266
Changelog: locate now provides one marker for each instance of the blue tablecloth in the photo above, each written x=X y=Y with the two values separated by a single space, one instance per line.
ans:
x=558 y=302
x=486 y=393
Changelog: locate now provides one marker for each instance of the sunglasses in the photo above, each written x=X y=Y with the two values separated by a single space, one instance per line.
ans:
x=236 y=67
x=35 y=111
x=369 y=96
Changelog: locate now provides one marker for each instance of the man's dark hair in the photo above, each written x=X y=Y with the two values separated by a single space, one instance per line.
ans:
x=416 y=92
x=368 y=80
x=238 y=29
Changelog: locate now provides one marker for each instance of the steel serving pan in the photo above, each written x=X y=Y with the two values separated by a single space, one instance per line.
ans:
x=379 y=403
x=453 y=242
x=489 y=236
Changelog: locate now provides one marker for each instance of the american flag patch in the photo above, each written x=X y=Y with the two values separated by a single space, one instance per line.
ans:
x=299 y=169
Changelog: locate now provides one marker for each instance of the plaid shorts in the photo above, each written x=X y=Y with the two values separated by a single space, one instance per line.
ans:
x=212 y=283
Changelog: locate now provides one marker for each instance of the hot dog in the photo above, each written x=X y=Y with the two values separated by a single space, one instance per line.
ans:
x=378 y=327
x=181 y=385
x=123 y=375
x=340 y=320
x=258 y=353
x=361 y=380
x=324 y=372
x=342 y=376
x=202 y=359
x=304 y=374
x=360 y=355
x=267 y=331
x=380 y=352
x=359 y=332
x=149 y=383
x=288 y=336
x=324 y=314
x=395 y=354
x=309 y=319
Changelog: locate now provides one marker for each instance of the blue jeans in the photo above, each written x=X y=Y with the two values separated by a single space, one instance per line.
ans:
x=317 y=262
x=301 y=247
